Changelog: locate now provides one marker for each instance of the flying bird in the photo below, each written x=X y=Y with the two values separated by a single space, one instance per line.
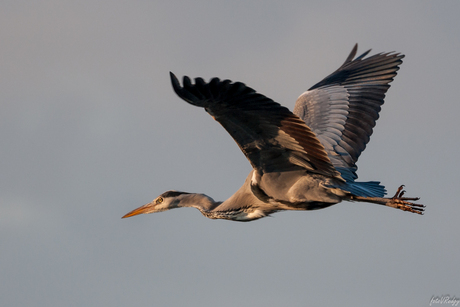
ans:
x=301 y=160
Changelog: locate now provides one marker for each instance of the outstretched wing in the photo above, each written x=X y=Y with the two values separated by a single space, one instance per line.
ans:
x=342 y=109
x=271 y=137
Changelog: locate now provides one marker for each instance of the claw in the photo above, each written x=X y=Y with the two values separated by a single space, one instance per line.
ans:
x=399 y=190
x=399 y=202
x=406 y=206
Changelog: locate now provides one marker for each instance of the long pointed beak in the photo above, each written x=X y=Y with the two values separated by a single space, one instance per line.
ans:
x=141 y=210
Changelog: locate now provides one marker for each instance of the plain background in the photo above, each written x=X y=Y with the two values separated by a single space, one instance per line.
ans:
x=91 y=129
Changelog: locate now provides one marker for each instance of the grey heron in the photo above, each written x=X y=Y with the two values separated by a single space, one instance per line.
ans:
x=301 y=160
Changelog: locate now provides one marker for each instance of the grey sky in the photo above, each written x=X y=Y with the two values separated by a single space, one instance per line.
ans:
x=91 y=129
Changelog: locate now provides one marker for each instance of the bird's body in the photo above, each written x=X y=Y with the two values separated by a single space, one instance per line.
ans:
x=304 y=160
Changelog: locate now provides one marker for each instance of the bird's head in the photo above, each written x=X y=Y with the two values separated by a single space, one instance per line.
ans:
x=166 y=201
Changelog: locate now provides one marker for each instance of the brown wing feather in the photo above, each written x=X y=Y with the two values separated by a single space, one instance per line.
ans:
x=271 y=137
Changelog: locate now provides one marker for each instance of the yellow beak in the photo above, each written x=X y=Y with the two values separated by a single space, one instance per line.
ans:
x=141 y=210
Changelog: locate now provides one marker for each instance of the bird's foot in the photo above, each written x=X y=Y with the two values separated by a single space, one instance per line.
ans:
x=403 y=203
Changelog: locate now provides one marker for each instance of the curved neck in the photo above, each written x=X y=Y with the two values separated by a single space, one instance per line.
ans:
x=202 y=202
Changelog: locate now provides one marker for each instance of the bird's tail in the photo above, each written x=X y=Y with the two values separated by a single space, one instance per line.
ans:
x=365 y=189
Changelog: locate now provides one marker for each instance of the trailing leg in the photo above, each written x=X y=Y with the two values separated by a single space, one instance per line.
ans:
x=397 y=201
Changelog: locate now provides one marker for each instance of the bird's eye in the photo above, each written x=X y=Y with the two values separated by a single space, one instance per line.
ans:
x=159 y=200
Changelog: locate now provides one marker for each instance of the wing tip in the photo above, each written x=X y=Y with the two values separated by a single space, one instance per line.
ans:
x=175 y=83
x=184 y=91
x=352 y=54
